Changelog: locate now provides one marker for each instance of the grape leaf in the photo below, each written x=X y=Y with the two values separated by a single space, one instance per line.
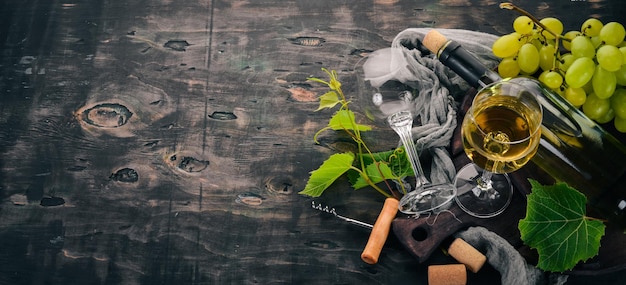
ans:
x=396 y=161
x=377 y=172
x=344 y=120
x=556 y=225
x=328 y=100
x=332 y=168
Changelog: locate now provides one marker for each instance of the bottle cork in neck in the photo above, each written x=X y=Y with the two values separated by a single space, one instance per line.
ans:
x=434 y=41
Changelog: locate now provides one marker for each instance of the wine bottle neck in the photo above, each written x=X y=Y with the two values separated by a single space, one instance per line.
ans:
x=610 y=202
x=466 y=65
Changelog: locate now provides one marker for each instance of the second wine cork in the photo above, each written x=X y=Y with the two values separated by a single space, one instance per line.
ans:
x=380 y=231
x=449 y=274
x=464 y=253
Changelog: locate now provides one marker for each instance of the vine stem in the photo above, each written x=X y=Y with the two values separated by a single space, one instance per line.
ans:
x=356 y=136
x=370 y=183
x=595 y=219
x=354 y=132
x=361 y=145
x=511 y=6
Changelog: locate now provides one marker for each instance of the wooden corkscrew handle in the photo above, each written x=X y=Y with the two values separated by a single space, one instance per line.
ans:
x=380 y=231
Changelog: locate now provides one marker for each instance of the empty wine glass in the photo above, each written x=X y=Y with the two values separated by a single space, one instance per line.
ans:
x=501 y=132
x=392 y=102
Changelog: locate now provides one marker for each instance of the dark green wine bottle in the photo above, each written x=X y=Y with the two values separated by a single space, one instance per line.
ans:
x=573 y=148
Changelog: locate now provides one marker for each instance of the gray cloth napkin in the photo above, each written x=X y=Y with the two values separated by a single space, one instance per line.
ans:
x=513 y=268
x=437 y=88
x=436 y=106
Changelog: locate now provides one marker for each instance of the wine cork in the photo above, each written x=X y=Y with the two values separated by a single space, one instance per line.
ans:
x=380 y=231
x=464 y=253
x=434 y=41
x=449 y=274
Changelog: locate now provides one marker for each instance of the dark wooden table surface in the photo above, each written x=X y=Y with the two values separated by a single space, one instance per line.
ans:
x=164 y=142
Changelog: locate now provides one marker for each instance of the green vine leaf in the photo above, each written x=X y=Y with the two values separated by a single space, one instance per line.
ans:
x=396 y=162
x=333 y=83
x=337 y=165
x=377 y=172
x=328 y=100
x=321 y=178
x=345 y=120
x=397 y=159
x=556 y=225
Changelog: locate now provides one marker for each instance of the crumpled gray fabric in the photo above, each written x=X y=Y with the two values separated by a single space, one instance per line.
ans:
x=503 y=257
x=438 y=88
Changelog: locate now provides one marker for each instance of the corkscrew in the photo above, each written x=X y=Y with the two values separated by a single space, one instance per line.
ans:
x=332 y=211
x=419 y=236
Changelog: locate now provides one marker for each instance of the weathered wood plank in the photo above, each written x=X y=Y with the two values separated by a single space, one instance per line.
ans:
x=164 y=142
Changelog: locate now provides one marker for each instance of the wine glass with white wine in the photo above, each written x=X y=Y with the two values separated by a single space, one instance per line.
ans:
x=501 y=132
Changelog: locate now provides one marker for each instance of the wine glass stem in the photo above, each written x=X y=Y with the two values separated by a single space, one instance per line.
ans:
x=485 y=189
x=402 y=123
x=485 y=180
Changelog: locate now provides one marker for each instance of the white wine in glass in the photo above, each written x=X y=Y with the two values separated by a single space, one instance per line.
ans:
x=501 y=133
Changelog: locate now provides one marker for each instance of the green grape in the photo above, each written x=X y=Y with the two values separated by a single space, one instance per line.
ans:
x=582 y=47
x=566 y=61
x=554 y=25
x=612 y=33
x=576 y=96
x=620 y=76
x=508 y=67
x=523 y=25
x=620 y=124
x=560 y=91
x=618 y=103
x=591 y=27
x=552 y=79
x=607 y=117
x=609 y=57
x=528 y=58
x=535 y=39
x=542 y=75
x=603 y=82
x=580 y=72
x=595 y=107
x=623 y=51
x=567 y=39
x=507 y=45
x=596 y=41
x=546 y=57
x=588 y=87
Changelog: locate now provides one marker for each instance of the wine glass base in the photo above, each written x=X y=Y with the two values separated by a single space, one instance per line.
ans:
x=479 y=201
x=432 y=198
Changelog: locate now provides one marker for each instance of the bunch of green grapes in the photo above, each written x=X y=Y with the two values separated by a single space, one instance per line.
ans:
x=587 y=67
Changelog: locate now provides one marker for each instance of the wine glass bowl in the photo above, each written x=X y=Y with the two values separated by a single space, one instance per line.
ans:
x=500 y=132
